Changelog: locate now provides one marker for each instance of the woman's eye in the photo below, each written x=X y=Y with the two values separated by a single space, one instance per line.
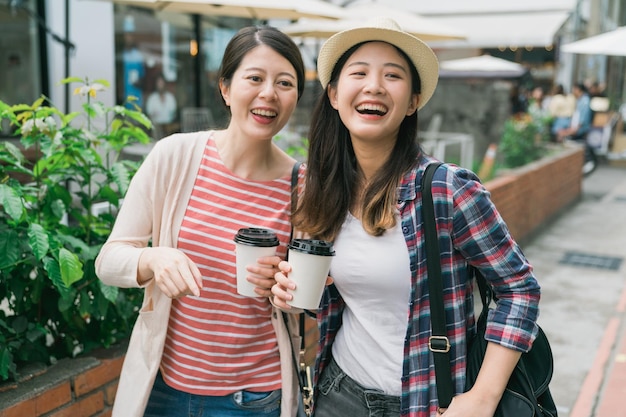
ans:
x=254 y=78
x=285 y=83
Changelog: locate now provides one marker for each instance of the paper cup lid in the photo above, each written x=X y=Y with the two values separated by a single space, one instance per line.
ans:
x=313 y=247
x=256 y=236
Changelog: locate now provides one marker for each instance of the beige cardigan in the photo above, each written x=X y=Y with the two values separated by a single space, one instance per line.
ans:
x=153 y=210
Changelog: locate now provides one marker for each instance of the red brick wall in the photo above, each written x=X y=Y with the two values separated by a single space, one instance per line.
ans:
x=526 y=198
x=71 y=388
x=529 y=197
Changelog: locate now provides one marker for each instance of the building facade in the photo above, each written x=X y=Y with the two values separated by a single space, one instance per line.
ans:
x=174 y=57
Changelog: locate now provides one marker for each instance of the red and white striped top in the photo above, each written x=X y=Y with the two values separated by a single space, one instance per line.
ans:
x=221 y=342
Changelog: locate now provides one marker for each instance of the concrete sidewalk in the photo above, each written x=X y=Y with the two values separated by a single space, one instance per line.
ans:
x=580 y=262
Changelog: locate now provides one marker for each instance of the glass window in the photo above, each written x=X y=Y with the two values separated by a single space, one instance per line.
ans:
x=214 y=41
x=165 y=68
x=19 y=55
x=153 y=64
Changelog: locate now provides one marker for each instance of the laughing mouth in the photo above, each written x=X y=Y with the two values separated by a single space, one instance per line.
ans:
x=264 y=113
x=375 y=109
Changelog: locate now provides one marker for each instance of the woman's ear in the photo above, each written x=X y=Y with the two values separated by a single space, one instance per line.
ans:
x=225 y=91
x=331 y=92
x=413 y=103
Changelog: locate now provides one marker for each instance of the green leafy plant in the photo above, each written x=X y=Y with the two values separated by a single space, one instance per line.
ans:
x=521 y=142
x=57 y=209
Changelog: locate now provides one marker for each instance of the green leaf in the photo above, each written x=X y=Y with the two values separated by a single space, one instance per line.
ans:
x=18 y=108
x=66 y=119
x=38 y=240
x=102 y=81
x=109 y=292
x=15 y=167
x=35 y=333
x=38 y=104
x=20 y=324
x=85 y=305
x=6 y=359
x=71 y=267
x=65 y=303
x=121 y=177
x=3 y=107
x=9 y=250
x=11 y=202
x=109 y=194
x=73 y=242
x=69 y=80
x=14 y=151
x=135 y=115
x=58 y=208
x=54 y=274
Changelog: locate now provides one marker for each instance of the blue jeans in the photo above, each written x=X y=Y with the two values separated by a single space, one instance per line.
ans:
x=166 y=401
x=341 y=396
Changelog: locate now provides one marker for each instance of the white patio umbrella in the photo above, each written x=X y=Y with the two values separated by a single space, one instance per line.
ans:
x=608 y=43
x=484 y=66
x=253 y=9
x=424 y=28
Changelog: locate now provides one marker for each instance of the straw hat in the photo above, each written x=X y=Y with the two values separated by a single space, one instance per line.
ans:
x=385 y=30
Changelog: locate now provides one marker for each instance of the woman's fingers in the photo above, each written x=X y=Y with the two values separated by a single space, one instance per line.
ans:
x=262 y=274
x=175 y=274
x=280 y=290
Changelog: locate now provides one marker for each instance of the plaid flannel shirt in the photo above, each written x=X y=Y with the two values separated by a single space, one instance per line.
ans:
x=471 y=231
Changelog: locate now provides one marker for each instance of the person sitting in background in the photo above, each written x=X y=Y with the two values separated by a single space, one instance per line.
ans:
x=581 y=119
x=537 y=109
x=161 y=105
x=561 y=109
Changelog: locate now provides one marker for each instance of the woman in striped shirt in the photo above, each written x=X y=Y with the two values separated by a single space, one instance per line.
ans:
x=198 y=347
x=363 y=193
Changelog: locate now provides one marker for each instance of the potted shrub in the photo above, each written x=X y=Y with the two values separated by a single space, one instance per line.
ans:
x=522 y=142
x=51 y=303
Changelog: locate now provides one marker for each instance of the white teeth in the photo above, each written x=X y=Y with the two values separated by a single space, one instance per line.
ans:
x=265 y=113
x=369 y=107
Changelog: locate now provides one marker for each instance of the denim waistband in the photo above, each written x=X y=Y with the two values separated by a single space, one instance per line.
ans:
x=374 y=398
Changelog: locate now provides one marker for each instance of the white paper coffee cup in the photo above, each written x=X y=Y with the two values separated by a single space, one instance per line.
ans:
x=251 y=244
x=310 y=263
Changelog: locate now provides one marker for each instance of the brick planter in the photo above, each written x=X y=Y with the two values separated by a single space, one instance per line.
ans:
x=527 y=198
x=532 y=195
x=81 y=387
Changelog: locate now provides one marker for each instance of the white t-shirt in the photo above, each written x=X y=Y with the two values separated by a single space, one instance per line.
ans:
x=374 y=278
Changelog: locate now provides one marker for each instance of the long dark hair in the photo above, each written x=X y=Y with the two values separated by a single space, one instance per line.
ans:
x=332 y=178
x=249 y=38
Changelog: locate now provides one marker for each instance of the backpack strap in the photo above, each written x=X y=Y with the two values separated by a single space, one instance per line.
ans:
x=438 y=342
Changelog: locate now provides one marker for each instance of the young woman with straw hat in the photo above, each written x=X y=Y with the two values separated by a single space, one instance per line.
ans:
x=363 y=193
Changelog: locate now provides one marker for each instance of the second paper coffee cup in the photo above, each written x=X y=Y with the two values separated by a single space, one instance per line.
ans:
x=252 y=243
x=310 y=263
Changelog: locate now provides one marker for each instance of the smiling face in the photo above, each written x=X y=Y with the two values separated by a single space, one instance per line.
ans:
x=373 y=92
x=261 y=94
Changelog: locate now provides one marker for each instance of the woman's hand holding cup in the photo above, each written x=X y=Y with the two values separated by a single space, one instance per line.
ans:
x=262 y=274
x=283 y=286
x=256 y=254
x=283 y=283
